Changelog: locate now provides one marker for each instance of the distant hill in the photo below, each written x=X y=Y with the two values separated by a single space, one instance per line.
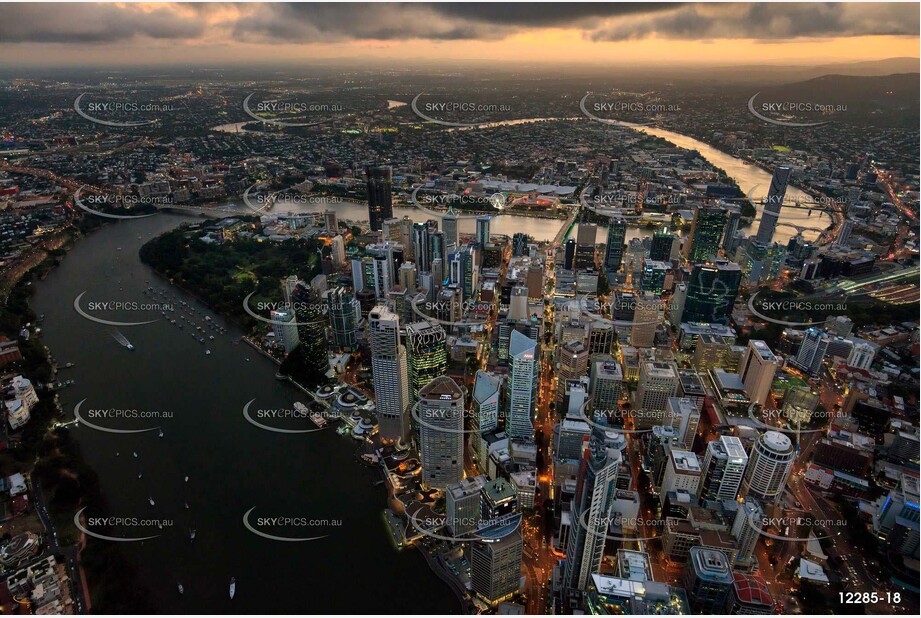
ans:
x=887 y=100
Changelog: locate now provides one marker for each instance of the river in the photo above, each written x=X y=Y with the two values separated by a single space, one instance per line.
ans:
x=232 y=465
x=751 y=179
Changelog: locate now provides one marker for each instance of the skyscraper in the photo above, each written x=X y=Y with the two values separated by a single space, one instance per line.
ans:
x=646 y=319
x=389 y=370
x=379 y=183
x=614 y=248
x=310 y=314
x=757 y=370
x=573 y=363
x=653 y=276
x=495 y=567
x=812 y=351
x=521 y=386
x=426 y=355
x=482 y=230
x=585 y=245
x=660 y=248
x=769 y=466
x=486 y=400
x=708 y=580
x=441 y=420
x=449 y=228
x=773 y=204
x=344 y=315
x=723 y=468
x=658 y=381
x=706 y=234
x=589 y=511
x=711 y=293
x=462 y=505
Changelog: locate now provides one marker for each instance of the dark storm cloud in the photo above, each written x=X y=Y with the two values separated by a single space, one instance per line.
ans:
x=90 y=23
x=311 y=23
x=767 y=22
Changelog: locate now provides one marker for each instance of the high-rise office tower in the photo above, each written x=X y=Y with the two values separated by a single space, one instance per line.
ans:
x=657 y=382
x=682 y=473
x=590 y=510
x=449 y=228
x=711 y=293
x=614 y=248
x=482 y=229
x=441 y=431
x=706 y=234
x=495 y=568
x=845 y=234
x=462 y=505
x=379 y=183
x=607 y=380
x=769 y=466
x=389 y=370
x=653 y=279
x=522 y=385
x=708 y=580
x=344 y=315
x=573 y=364
x=601 y=337
x=310 y=314
x=646 y=319
x=660 y=247
x=332 y=221
x=676 y=307
x=569 y=254
x=486 y=400
x=757 y=370
x=773 y=204
x=733 y=215
x=520 y=244
x=745 y=526
x=723 y=469
x=812 y=351
x=391 y=230
x=407 y=276
x=426 y=354
x=585 y=245
x=285 y=329
x=337 y=251
x=684 y=416
x=406 y=237
x=422 y=246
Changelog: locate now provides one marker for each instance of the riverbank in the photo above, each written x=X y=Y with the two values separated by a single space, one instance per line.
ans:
x=62 y=480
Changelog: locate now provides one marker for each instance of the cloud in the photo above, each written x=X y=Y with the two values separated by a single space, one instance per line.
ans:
x=92 y=23
x=769 y=22
x=316 y=23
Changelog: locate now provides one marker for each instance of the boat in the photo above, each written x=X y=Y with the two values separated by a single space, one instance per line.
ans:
x=160 y=435
x=233 y=586
x=151 y=500
x=140 y=475
x=318 y=420
x=181 y=589
x=130 y=346
x=135 y=454
x=186 y=479
x=186 y=505
x=207 y=352
x=191 y=535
